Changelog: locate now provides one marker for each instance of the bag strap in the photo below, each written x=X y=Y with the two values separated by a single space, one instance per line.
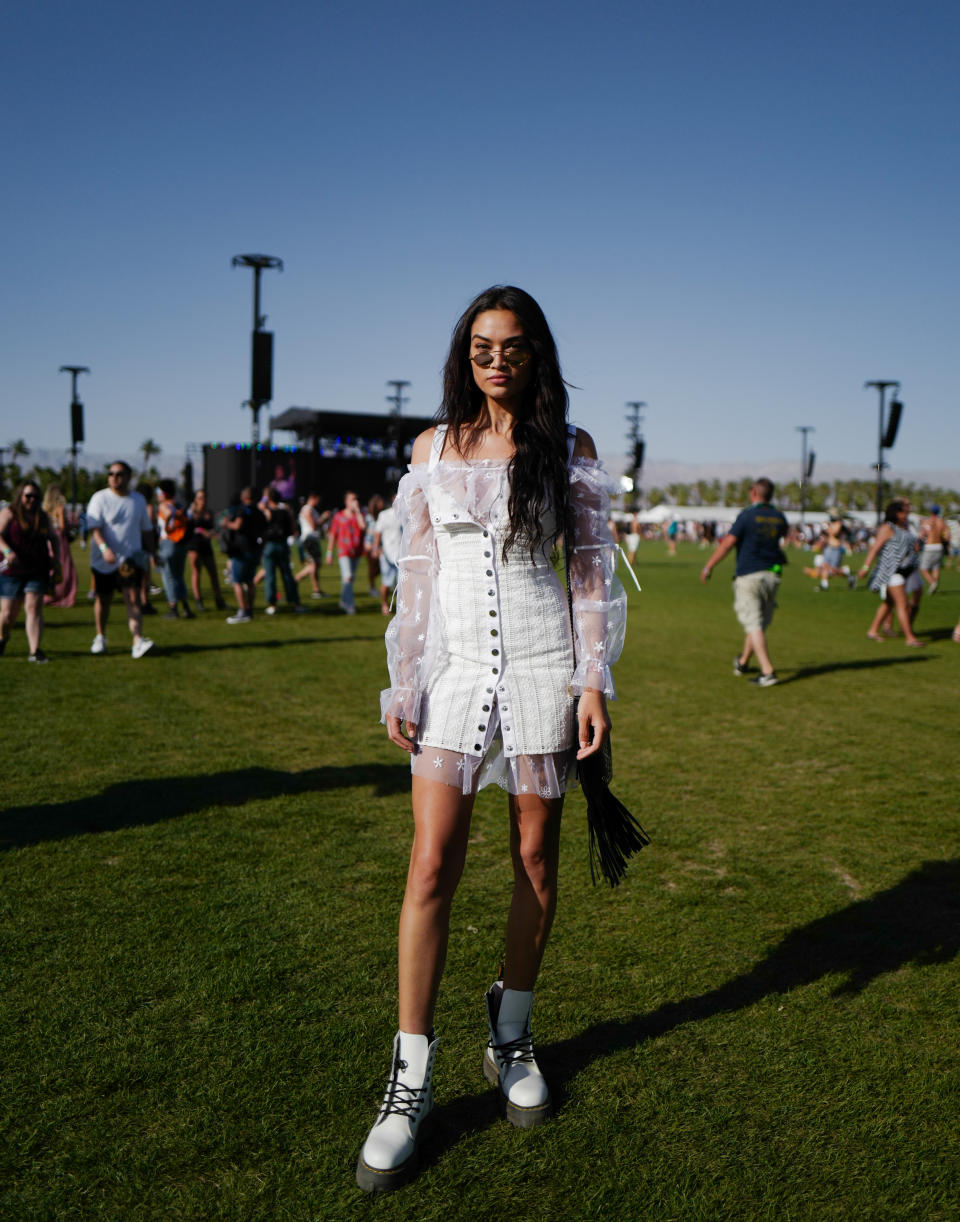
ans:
x=436 y=447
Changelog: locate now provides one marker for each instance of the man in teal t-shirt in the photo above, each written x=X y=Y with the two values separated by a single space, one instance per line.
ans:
x=756 y=534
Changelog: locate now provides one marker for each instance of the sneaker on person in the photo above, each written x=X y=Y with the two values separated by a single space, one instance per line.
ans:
x=99 y=644
x=738 y=667
x=852 y=580
x=141 y=645
x=933 y=587
x=770 y=680
x=271 y=609
x=318 y=594
x=299 y=609
x=199 y=605
x=39 y=656
x=241 y=617
x=824 y=584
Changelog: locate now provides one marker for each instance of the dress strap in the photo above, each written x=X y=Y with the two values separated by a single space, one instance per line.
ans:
x=436 y=447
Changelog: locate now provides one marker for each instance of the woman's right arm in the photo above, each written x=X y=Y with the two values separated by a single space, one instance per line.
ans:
x=883 y=536
x=406 y=637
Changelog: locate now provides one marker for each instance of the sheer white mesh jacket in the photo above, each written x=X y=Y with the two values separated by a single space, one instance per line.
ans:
x=480 y=653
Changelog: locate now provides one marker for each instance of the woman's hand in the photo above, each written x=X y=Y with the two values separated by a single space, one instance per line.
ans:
x=395 y=731
x=593 y=724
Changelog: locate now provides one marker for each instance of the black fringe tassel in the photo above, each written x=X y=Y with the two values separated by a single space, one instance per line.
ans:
x=614 y=833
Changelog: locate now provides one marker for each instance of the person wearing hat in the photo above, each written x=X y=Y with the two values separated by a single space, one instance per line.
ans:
x=935 y=535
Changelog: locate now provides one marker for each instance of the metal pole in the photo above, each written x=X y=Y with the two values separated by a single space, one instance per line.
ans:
x=74 y=371
x=882 y=386
x=397 y=398
x=804 y=429
x=635 y=434
x=258 y=263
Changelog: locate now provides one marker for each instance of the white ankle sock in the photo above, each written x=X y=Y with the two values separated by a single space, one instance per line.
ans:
x=514 y=1014
x=413 y=1050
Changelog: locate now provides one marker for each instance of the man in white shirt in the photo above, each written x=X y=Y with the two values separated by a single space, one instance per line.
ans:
x=121 y=529
x=386 y=545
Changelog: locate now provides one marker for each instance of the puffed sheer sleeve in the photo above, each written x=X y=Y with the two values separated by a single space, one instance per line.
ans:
x=406 y=637
x=599 y=600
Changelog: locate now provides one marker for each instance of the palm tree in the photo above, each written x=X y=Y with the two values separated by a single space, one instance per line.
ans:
x=149 y=449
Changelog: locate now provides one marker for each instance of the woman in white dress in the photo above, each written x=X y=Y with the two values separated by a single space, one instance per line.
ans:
x=484 y=668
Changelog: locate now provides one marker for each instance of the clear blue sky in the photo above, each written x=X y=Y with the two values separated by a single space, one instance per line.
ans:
x=737 y=211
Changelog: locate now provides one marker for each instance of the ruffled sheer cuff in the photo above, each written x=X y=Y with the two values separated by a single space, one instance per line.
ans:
x=594 y=675
x=402 y=702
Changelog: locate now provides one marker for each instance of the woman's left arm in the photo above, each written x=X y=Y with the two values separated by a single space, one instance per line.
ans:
x=598 y=600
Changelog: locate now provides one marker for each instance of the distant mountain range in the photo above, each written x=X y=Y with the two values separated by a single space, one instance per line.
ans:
x=657 y=473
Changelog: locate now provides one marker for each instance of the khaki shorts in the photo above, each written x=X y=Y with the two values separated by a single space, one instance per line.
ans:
x=755 y=599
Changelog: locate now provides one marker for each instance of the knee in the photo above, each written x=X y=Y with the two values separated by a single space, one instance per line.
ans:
x=536 y=862
x=432 y=878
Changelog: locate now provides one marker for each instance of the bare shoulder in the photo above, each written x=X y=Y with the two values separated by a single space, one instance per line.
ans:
x=421 y=447
x=583 y=447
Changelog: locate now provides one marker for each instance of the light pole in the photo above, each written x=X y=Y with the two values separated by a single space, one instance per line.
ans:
x=76 y=419
x=635 y=434
x=882 y=387
x=806 y=469
x=397 y=399
x=261 y=364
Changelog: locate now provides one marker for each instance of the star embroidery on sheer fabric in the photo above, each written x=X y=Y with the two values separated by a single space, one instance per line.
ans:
x=597 y=560
x=422 y=636
x=438 y=761
x=460 y=763
x=599 y=647
x=418 y=617
x=524 y=788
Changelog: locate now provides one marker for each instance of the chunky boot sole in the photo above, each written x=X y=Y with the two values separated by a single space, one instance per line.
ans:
x=374 y=1179
x=519 y=1117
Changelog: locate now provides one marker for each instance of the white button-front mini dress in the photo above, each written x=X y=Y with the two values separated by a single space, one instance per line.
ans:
x=481 y=654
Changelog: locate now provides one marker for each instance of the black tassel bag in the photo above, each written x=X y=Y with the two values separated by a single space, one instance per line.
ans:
x=614 y=833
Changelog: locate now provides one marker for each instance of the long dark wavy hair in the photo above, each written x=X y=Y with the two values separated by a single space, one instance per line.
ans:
x=538 y=470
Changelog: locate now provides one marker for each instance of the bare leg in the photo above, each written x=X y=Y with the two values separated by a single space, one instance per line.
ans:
x=873 y=632
x=535 y=849
x=195 y=574
x=33 y=604
x=899 y=597
x=441 y=819
x=133 y=613
x=101 y=612
x=758 y=639
x=747 y=653
x=9 y=610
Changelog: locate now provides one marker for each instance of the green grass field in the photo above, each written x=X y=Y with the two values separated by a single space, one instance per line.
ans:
x=204 y=855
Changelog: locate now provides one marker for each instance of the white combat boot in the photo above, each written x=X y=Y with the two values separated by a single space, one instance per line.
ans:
x=508 y=1062
x=389 y=1155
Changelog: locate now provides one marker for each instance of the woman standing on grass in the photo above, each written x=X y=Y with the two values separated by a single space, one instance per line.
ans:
x=484 y=667
x=55 y=507
x=200 y=549
x=895 y=551
x=27 y=560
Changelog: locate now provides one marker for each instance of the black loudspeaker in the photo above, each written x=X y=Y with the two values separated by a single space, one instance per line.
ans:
x=76 y=423
x=638 y=454
x=893 y=423
x=262 y=386
x=810 y=461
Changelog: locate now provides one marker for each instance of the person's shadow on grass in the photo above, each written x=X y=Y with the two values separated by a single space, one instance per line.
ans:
x=155 y=800
x=916 y=921
x=811 y=672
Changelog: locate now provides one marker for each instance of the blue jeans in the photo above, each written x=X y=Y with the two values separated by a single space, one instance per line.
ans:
x=173 y=557
x=348 y=570
x=276 y=555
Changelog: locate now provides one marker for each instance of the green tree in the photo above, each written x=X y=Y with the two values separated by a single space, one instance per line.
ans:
x=149 y=449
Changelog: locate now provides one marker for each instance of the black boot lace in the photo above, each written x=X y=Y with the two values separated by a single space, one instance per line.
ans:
x=400 y=1099
x=515 y=1052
